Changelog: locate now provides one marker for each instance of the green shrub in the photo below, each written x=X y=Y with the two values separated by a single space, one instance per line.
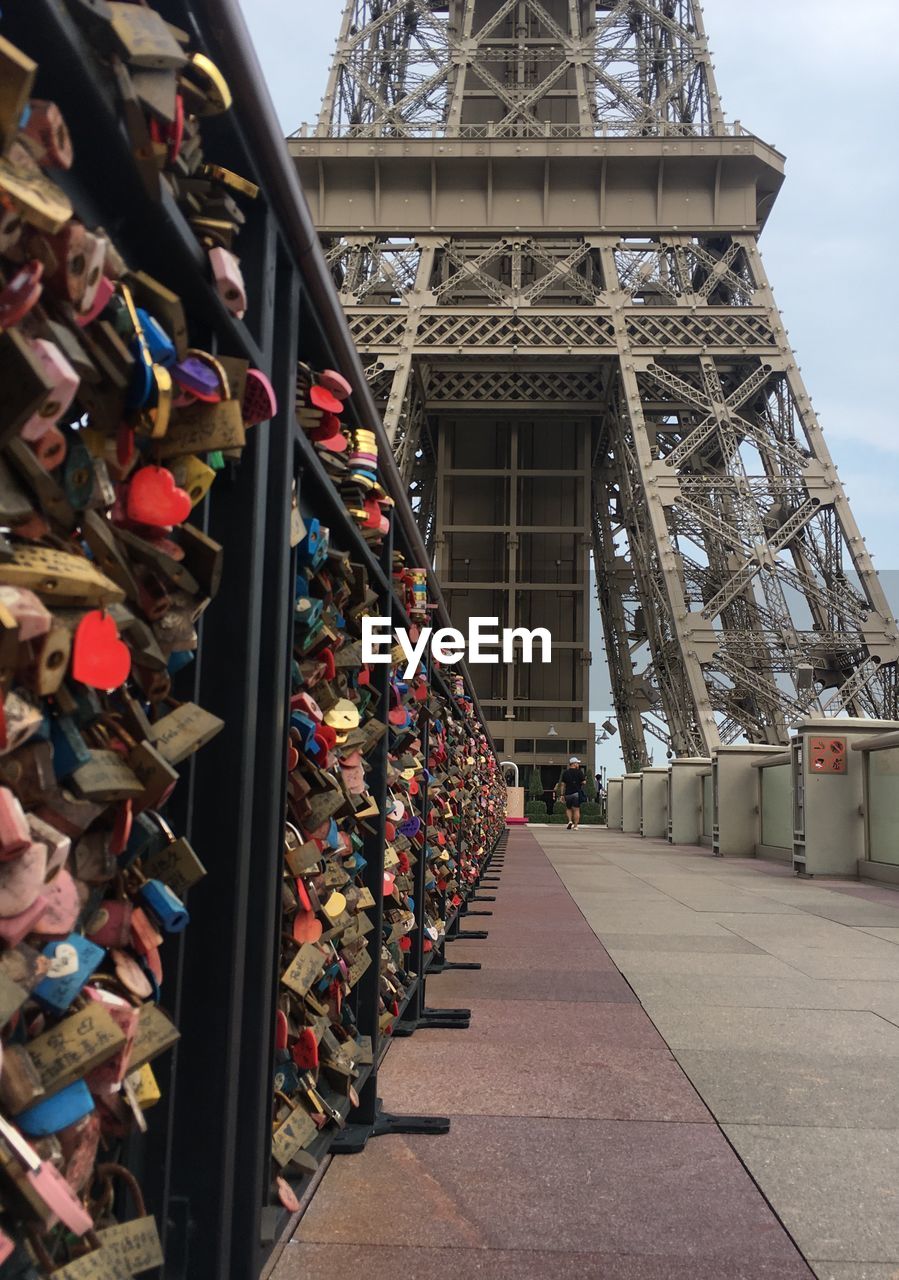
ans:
x=559 y=808
x=558 y=818
x=535 y=809
x=535 y=785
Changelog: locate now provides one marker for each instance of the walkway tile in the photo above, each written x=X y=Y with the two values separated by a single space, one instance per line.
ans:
x=797 y=1089
x=562 y=982
x=513 y=1183
x=329 y=1262
x=838 y=1189
x=617 y=1084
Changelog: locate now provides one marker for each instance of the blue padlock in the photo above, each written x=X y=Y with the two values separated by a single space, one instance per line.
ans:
x=72 y=961
x=160 y=345
x=313 y=549
x=178 y=660
x=141 y=387
x=50 y=1115
x=78 y=474
x=287 y=1076
x=146 y=838
x=168 y=908
x=306 y=727
x=69 y=749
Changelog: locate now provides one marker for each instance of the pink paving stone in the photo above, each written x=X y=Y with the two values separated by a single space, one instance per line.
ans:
x=557 y=983
x=508 y=954
x=329 y=1262
x=553 y=1184
x=562 y=1026
x=486 y=1080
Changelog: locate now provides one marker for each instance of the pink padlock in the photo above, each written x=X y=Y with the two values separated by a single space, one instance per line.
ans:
x=104 y=291
x=32 y=617
x=94 y=249
x=229 y=281
x=336 y=383
x=47 y=131
x=111 y=926
x=21 y=293
x=306 y=703
x=15 y=928
x=63 y=907
x=64 y=381
x=126 y=1016
x=14 y=834
x=21 y=881
x=259 y=403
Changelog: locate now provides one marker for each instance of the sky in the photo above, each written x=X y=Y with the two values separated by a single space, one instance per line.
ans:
x=820 y=82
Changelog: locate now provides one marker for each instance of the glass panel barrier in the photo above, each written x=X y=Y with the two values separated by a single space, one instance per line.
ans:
x=708 y=807
x=777 y=806
x=883 y=806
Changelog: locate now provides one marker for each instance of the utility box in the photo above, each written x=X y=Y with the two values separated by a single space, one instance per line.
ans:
x=829 y=794
x=685 y=798
x=613 y=803
x=630 y=803
x=735 y=799
x=654 y=803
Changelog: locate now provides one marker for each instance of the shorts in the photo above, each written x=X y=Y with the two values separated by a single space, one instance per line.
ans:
x=573 y=800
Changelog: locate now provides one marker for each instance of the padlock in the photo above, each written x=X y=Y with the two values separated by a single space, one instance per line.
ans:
x=21 y=881
x=70 y=751
x=259 y=403
x=40 y=430
x=21 y=293
x=46 y=1191
x=46 y=130
x=229 y=281
x=165 y=905
x=110 y=926
x=72 y=961
x=15 y=835
x=64 y=1108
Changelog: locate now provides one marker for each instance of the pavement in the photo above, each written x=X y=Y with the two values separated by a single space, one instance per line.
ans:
x=678 y=1068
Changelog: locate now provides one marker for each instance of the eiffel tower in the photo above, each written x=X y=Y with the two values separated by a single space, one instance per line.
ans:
x=545 y=236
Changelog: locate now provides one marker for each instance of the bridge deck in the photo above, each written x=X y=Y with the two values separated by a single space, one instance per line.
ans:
x=648 y=1021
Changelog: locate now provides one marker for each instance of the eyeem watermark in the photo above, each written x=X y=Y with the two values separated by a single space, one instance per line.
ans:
x=484 y=643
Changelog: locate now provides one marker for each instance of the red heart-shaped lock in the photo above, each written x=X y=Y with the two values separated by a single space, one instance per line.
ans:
x=305 y=1050
x=306 y=927
x=281 y=1029
x=154 y=498
x=99 y=658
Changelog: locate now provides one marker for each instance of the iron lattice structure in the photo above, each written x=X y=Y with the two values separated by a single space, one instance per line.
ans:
x=536 y=206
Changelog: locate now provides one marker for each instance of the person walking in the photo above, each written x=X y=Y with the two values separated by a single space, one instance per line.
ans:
x=571 y=786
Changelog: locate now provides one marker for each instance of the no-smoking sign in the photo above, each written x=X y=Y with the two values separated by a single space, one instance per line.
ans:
x=828 y=755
